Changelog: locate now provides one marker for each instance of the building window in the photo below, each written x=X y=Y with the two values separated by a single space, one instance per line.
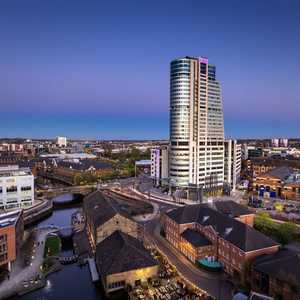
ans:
x=12 y=189
x=3 y=248
x=116 y=284
x=25 y=188
x=3 y=257
x=3 y=238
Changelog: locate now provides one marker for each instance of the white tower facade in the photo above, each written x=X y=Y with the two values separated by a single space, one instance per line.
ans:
x=233 y=161
x=196 y=155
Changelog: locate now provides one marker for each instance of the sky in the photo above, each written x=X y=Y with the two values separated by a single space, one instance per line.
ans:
x=100 y=69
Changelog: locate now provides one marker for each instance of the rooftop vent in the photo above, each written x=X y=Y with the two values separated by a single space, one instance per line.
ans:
x=228 y=230
x=205 y=218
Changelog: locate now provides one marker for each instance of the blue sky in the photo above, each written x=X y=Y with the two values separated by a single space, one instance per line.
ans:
x=100 y=69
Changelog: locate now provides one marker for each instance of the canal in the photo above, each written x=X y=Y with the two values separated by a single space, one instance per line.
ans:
x=72 y=282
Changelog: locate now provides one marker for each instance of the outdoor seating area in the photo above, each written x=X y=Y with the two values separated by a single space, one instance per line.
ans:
x=167 y=290
x=168 y=286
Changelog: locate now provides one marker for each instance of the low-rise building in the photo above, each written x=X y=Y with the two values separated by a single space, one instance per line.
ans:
x=291 y=191
x=104 y=216
x=16 y=187
x=195 y=245
x=122 y=260
x=262 y=165
x=274 y=182
x=69 y=169
x=142 y=167
x=277 y=275
x=233 y=243
x=11 y=237
x=235 y=210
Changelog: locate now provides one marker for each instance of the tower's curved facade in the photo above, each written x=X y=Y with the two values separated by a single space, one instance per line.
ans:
x=196 y=125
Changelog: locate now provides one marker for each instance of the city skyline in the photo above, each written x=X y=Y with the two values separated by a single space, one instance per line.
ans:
x=94 y=71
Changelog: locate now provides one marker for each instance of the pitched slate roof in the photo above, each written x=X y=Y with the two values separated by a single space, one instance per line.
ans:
x=295 y=184
x=100 y=209
x=195 y=238
x=84 y=164
x=120 y=253
x=231 y=208
x=281 y=173
x=239 y=234
x=283 y=265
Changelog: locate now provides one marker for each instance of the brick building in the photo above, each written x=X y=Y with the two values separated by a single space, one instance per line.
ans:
x=230 y=241
x=234 y=210
x=11 y=237
x=291 y=191
x=194 y=245
x=104 y=216
x=122 y=260
x=69 y=169
x=277 y=275
x=281 y=182
x=261 y=165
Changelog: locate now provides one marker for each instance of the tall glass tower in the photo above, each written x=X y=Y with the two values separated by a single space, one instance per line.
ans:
x=196 y=125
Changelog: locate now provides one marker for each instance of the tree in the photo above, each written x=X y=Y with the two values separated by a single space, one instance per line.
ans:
x=286 y=233
x=107 y=150
x=264 y=223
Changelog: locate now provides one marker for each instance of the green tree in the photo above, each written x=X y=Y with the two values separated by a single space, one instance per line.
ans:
x=286 y=233
x=107 y=150
x=264 y=223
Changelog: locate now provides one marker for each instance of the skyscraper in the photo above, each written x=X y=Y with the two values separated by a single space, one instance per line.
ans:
x=196 y=125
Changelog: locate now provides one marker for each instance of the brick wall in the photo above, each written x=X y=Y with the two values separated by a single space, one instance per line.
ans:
x=118 y=222
x=130 y=277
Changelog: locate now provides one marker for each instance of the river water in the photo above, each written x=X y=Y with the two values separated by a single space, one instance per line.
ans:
x=72 y=282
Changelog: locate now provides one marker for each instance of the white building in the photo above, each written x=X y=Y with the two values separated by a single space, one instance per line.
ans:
x=283 y=143
x=275 y=143
x=232 y=166
x=160 y=164
x=16 y=187
x=196 y=157
x=61 y=141
x=244 y=151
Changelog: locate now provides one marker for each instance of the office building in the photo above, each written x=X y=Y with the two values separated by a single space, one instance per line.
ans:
x=232 y=165
x=16 y=187
x=196 y=157
x=160 y=165
x=11 y=237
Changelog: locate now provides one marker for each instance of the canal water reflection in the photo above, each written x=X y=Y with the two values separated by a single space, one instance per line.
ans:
x=72 y=282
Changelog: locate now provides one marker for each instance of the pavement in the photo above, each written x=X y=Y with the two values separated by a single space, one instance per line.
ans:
x=19 y=273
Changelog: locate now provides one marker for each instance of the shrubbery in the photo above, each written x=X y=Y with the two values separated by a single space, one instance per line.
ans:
x=284 y=233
